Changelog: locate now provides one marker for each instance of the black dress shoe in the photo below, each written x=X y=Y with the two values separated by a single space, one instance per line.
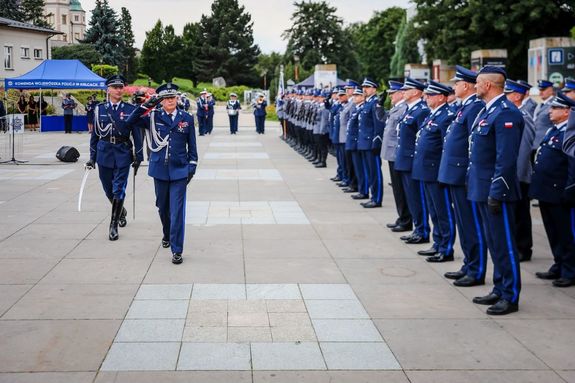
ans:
x=406 y=237
x=440 y=258
x=349 y=190
x=335 y=179
x=489 y=299
x=177 y=258
x=454 y=274
x=360 y=196
x=165 y=243
x=547 y=275
x=564 y=282
x=371 y=205
x=431 y=251
x=416 y=239
x=391 y=225
x=402 y=228
x=524 y=257
x=342 y=184
x=503 y=307
x=467 y=281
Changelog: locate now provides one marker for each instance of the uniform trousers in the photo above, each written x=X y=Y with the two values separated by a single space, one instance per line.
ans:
x=524 y=234
x=171 y=204
x=559 y=222
x=114 y=181
x=372 y=162
x=404 y=216
x=500 y=234
x=202 y=125
x=361 y=172
x=415 y=194
x=68 y=118
x=233 y=123
x=471 y=235
x=260 y=124
x=349 y=169
x=441 y=213
x=340 y=157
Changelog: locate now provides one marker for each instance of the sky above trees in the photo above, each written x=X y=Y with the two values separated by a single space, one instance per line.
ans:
x=271 y=17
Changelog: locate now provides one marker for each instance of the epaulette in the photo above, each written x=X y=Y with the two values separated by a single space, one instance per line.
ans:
x=504 y=105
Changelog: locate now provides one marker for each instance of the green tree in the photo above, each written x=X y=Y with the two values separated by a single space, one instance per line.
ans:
x=104 y=33
x=191 y=48
x=11 y=9
x=374 y=41
x=34 y=12
x=228 y=48
x=317 y=37
x=267 y=68
x=129 y=64
x=452 y=29
x=153 y=60
x=405 y=49
x=172 y=47
x=86 y=53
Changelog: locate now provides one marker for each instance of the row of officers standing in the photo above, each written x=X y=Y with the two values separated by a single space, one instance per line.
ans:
x=469 y=157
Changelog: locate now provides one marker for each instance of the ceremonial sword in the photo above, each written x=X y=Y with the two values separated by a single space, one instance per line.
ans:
x=84 y=179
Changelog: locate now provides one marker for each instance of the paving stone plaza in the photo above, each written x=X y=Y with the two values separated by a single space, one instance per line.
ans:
x=285 y=279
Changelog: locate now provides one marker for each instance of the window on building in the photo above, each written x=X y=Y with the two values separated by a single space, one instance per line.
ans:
x=84 y=19
x=64 y=20
x=25 y=52
x=8 y=59
x=65 y=37
x=76 y=18
x=38 y=54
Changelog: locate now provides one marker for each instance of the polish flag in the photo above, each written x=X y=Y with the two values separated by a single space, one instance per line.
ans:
x=508 y=125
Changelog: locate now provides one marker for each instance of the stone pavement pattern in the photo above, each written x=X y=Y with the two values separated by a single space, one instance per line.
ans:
x=267 y=237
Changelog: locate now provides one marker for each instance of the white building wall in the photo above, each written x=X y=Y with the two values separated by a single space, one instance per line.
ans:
x=18 y=39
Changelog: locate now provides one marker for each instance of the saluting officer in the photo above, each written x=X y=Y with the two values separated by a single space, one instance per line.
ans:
x=260 y=113
x=569 y=141
x=453 y=172
x=233 y=106
x=416 y=112
x=493 y=184
x=369 y=142
x=553 y=184
x=348 y=108
x=516 y=92
x=113 y=151
x=173 y=162
x=426 y=160
x=388 y=149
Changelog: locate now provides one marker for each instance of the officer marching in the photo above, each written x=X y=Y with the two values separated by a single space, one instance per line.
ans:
x=233 y=106
x=260 y=113
x=113 y=151
x=173 y=162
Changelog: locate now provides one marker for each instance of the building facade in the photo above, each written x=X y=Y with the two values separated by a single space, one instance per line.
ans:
x=68 y=17
x=22 y=47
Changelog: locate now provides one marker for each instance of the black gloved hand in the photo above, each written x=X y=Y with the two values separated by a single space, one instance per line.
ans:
x=494 y=206
x=90 y=165
x=136 y=166
x=152 y=101
x=190 y=176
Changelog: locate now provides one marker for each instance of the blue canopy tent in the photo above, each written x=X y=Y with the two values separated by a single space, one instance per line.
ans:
x=57 y=74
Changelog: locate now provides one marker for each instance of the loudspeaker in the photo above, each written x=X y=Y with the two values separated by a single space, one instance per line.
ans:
x=68 y=154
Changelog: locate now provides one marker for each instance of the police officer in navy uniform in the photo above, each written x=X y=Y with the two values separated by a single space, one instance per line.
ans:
x=202 y=113
x=172 y=164
x=369 y=142
x=541 y=113
x=210 y=114
x=453 y=172
x=351 y=145
x=426 y=160
x=493 y=184
x=233 y=106
x=417 y=111
x=388 y=150
x=553 y=184
x=260 y=113
x=113 y=150
x=348 y=107
x=516 y=92
x=569 y=141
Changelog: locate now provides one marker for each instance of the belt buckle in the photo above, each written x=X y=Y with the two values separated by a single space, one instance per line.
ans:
x=113 y=140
